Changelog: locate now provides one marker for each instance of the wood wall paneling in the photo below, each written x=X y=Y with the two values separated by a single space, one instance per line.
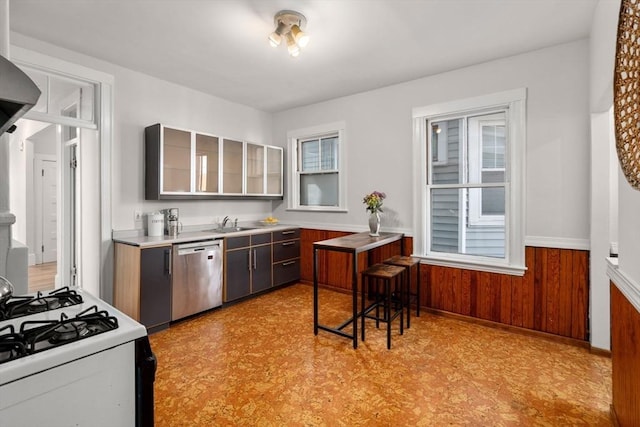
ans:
x=625 y=359
x=551 y=297
x=580 y=295
x=307 y=237
x=528 y=291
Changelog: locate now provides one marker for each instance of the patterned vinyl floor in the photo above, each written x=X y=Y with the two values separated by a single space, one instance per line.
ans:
x=258 y=363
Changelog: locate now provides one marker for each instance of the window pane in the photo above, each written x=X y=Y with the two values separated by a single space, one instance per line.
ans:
x=493 y=201
x=310 y=155
x=493 y=143
x=329 y=153
x=63 y=96
x=445 y=220
x=452 y=232
x=319 y=189
x=448 y=152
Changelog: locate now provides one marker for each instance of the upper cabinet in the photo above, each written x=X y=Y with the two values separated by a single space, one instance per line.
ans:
x=183 y=164
x=232 y=166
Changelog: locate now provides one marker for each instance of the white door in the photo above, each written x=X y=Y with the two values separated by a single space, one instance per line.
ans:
x=49 y=211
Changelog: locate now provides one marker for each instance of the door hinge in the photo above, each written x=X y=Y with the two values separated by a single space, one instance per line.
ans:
x=74 y=162
x=42 y=248
x=42 y=172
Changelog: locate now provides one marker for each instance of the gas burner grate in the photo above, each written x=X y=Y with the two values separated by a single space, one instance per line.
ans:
x=24 y=305
x=38 y=335
x=11 y=345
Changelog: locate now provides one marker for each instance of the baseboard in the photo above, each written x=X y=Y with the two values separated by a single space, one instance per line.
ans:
x=614 y=416
x=600 y=352
x=510 y=328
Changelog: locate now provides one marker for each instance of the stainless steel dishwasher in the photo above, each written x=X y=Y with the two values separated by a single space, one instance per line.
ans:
x=197 y=278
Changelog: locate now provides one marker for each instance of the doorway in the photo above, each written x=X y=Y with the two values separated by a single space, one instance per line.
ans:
x=78 y=102
x=48 y=208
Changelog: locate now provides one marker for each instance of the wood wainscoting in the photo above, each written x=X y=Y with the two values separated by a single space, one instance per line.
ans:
x=552 y=296
x=625 y=359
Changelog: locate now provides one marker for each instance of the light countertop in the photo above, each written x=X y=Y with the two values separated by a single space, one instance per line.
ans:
x=135 y=238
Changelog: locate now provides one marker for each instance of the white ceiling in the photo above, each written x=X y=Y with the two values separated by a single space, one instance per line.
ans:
x=220 y=46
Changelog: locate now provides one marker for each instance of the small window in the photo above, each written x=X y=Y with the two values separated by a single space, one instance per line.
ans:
x=316 y=181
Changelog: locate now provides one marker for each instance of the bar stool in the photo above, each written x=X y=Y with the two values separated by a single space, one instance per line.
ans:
x=408 y=263
x=390 y=276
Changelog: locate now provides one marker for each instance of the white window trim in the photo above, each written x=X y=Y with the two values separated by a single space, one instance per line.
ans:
x=293 y=184
x=514 y=261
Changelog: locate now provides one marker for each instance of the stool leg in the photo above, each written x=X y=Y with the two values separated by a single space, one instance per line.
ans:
x=387 y=312
x=378 y=299
x=402 y=299
x=363 y=298
x=418 y=290
x=407 y=276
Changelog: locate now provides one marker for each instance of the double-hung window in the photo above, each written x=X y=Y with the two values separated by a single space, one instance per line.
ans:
x=316 y=178
x=471 y=182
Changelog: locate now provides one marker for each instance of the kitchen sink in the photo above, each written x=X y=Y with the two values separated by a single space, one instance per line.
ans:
x=230 y=229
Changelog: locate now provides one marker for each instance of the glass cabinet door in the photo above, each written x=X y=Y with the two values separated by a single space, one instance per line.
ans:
x=232 y=166
x=255 y=169
x=176 y=161
x=207 y=160
x=274 y=170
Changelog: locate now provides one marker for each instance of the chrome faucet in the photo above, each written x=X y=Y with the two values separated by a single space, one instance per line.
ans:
x=224 y=221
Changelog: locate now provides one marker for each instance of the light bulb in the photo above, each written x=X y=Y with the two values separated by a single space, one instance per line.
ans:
x=275 y=39
x=301 y=38
x=292 y=47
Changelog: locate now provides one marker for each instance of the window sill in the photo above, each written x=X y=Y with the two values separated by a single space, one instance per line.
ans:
x=495 y=267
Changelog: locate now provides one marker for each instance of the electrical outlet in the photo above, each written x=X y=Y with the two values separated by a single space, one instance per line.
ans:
x=137 y=216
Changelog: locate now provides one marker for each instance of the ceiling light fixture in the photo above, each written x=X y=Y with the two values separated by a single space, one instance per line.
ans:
x=288 y=25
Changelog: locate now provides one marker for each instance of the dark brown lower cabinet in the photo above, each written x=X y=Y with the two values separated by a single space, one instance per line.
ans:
x=247 y=265
x=258 y=262
x=238 y=272
x=155 y=287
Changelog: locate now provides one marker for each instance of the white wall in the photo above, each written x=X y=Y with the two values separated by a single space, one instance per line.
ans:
x=21 y=178
x=603 y=59
x=379 y=140
x=604 y=188
x=141 y=100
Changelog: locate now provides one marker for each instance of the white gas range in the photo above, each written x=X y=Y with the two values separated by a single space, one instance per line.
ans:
x=68 y=358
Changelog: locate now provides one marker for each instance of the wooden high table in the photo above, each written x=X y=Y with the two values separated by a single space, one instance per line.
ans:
x=353 y=244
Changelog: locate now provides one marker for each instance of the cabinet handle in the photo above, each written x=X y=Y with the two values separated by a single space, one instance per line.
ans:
x=167 y=261
x=288 y=232
x=284 y=264
x=254 y=259
x=288 y=243
x=249 y=260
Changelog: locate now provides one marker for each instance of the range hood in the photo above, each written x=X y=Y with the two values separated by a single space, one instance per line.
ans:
x=18 y=93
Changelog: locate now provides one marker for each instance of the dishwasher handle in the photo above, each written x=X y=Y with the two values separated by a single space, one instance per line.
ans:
x=196 y=247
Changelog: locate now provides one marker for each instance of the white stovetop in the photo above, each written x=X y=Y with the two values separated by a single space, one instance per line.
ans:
x=128 y=330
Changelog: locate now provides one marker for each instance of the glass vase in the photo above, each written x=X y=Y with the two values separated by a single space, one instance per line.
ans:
x=374 y=224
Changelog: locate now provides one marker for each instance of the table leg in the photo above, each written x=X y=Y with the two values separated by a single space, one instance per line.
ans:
x=354 y=286
x=315 y=291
